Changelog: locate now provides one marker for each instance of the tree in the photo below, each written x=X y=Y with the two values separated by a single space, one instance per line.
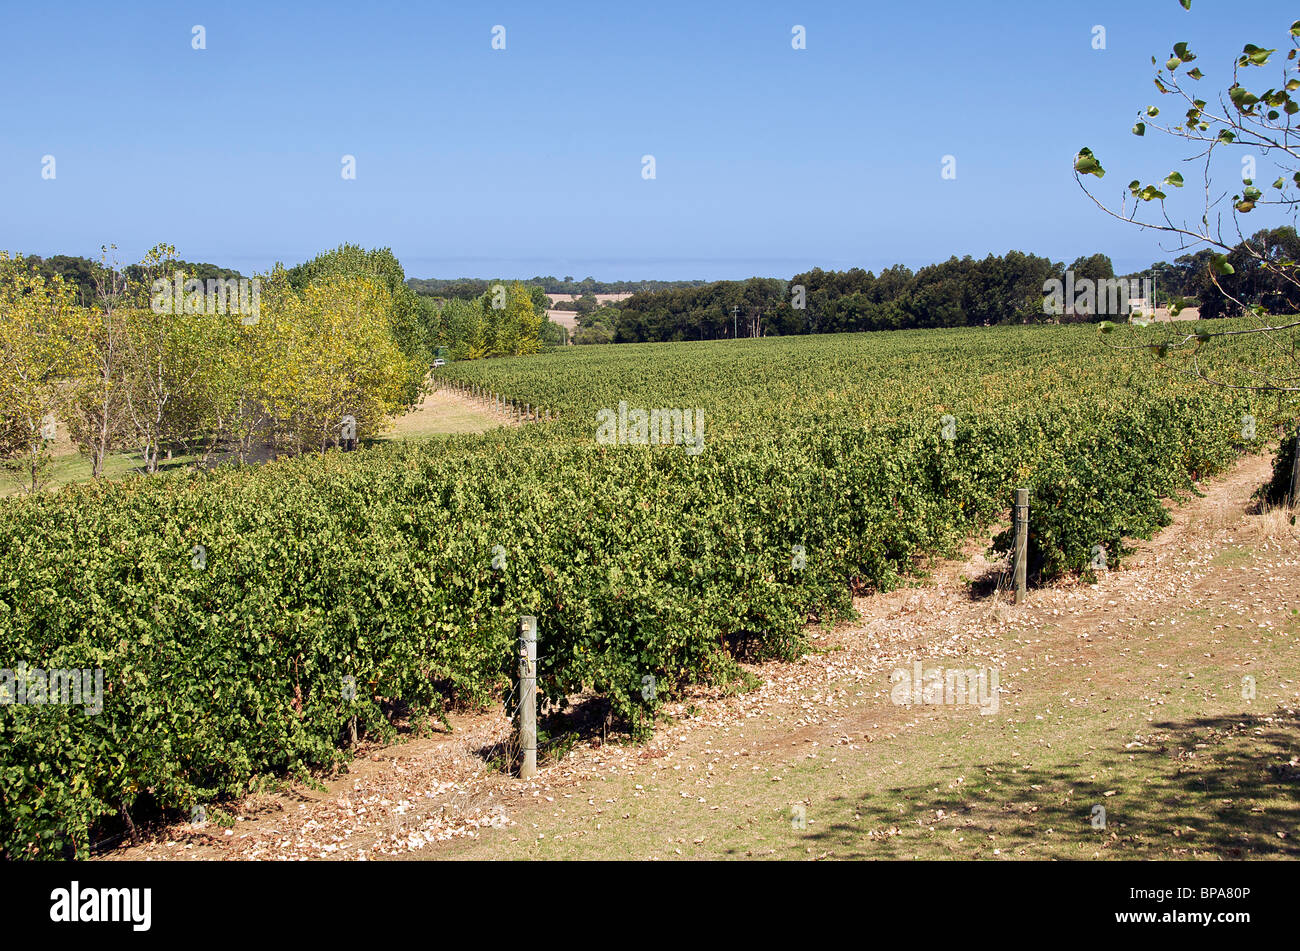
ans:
x=162 y=357
x=597 y=327
x=467 y=328
x=76 y=271
x=42 y=361
x=403 y=316
x=1259 y=121
x=554 y=335
x=330 y=354
x=516 y=327
x=1093 y=267
x=541 y=300
x=98 y=419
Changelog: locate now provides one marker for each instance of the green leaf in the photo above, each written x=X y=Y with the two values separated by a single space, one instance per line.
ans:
x=1175 y=179
x=1195 y=72
x=1085 y=163
x=1253 y=55
x=1106 y=326
x=1151 y=192
x=1187 y=4
x=1140 y=129
x=1221 y=266
x=1242 y=99
x=1183 y=53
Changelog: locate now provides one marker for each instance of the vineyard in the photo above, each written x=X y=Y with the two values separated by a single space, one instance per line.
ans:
x=388 y=582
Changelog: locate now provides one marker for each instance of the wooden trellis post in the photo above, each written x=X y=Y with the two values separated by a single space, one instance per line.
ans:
x=1022 y=542
x=1295 y=470
x=528 y=696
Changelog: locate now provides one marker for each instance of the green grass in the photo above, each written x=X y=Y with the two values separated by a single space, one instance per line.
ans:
x=423 y=423
x=75 y=467
x=1230 y=557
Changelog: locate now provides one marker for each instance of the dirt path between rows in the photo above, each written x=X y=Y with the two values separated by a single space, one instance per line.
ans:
x=437 y=796
x=448 y=411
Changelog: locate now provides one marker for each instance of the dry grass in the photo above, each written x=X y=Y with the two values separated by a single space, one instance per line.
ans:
x=1278 y=523
x=443 y=412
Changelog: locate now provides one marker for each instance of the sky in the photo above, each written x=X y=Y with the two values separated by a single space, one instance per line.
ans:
x=480 y=162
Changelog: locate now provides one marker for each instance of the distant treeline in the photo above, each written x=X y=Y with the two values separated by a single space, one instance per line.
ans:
x=81 y=273
x=957 y=292
x=467 y=288
x=1188 y=277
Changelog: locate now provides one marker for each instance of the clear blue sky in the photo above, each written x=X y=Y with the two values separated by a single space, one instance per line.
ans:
x=475 y=162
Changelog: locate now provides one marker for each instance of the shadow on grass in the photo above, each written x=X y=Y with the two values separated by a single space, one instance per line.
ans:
x=1227 y=787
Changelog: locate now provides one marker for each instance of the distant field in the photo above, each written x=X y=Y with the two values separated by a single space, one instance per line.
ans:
x=600 y=298
x=568 y=318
